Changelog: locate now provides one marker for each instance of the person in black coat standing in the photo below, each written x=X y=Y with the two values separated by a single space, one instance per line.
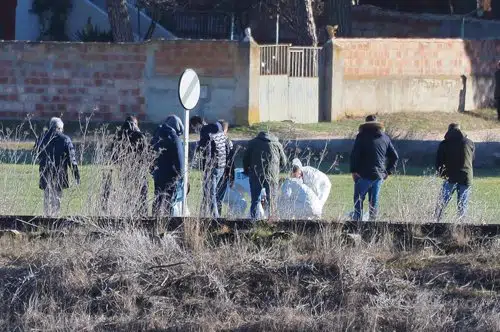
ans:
x=169 y=165
x=129 y=143
x=497 y=89
x=373 y=159
x=55 y=154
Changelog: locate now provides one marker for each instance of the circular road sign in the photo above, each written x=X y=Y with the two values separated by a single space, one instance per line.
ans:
x=189 y=89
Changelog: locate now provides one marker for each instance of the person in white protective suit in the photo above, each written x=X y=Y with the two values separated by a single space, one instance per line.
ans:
x=235 y=197
x=314 y=179
x=298 y=201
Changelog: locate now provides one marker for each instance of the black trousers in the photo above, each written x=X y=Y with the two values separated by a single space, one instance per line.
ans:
x=165 y=192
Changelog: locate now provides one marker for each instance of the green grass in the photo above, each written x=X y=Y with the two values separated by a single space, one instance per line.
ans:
x=403 y=197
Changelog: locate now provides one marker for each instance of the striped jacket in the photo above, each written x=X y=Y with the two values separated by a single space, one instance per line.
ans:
x=213 y=146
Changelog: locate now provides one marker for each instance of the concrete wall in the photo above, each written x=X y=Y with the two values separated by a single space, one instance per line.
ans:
x=82 y=10
x=110 y=80
x=417 y=75
x=27 y=27
x=372 y=75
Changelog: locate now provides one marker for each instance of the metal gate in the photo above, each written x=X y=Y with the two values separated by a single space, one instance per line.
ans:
x=289 y=83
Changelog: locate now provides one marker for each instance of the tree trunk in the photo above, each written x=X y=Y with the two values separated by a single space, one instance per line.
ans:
x=307 y=25
x=338 y=12
x=119 y=20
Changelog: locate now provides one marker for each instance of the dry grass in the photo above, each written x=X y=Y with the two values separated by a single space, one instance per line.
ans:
x=130 y=281
x=405 y=125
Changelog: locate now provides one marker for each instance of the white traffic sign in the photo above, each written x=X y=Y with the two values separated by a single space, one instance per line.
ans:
x=189 y=95
x=189 y=89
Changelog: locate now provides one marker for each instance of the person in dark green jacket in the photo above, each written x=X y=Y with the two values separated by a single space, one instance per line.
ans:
x=454 y=160
x=262 y=162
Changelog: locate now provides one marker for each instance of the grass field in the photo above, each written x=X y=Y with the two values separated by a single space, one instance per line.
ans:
x=125 y=279
x=414 y=125
x=404 y=198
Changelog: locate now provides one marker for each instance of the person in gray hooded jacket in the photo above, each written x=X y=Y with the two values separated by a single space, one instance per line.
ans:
x=262 y=161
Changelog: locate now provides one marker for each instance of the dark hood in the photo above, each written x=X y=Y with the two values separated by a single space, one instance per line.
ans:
x=174 y=122
x=371 y=128
x=212 y=128
x=128 y=126
x=167 y=131
x=267 y=137
x=454 y=135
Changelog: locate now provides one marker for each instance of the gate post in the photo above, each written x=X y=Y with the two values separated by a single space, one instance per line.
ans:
x=331 y=82
x=246 y=96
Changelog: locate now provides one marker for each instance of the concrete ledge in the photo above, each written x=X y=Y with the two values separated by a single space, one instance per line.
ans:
x=367 y=229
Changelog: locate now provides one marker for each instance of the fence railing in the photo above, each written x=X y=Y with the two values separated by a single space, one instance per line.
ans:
x=293 y=61
x=274 y=59
x=198 y=24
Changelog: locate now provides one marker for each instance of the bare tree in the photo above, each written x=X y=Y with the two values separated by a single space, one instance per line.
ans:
x=306 y=23
x=338 y=12
x=119 y=20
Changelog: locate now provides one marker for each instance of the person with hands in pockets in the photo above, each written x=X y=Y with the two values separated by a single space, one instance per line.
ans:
x=373 y=159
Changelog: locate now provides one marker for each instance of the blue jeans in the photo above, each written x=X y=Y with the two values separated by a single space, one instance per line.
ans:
x=256 y=185
x=209 y=202
x=361 y=188
x=221 y=191
x=463 y=194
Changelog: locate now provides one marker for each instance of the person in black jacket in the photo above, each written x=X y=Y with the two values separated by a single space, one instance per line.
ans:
x=497 y=89
x=169 y=165
x=373 y=159
x=212 y=147
x=454 y=160
x=55 y=153
x=128 y=141
x=228 y=176
x=196 y=123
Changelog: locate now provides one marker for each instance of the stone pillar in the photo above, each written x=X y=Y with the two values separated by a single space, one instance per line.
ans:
x=247 y=74
x=331 y=82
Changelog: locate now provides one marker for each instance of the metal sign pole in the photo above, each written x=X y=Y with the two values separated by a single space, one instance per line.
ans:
x=186 y=164
x=189 y=95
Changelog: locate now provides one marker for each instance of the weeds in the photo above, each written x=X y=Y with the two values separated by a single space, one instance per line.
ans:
x=107 y=279
x=128 y=280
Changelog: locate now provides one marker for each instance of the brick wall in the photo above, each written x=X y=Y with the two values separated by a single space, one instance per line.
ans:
x=418 y=57
x=49 y=79
x=209 y=58
x=395 y=75
x=74 y=79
